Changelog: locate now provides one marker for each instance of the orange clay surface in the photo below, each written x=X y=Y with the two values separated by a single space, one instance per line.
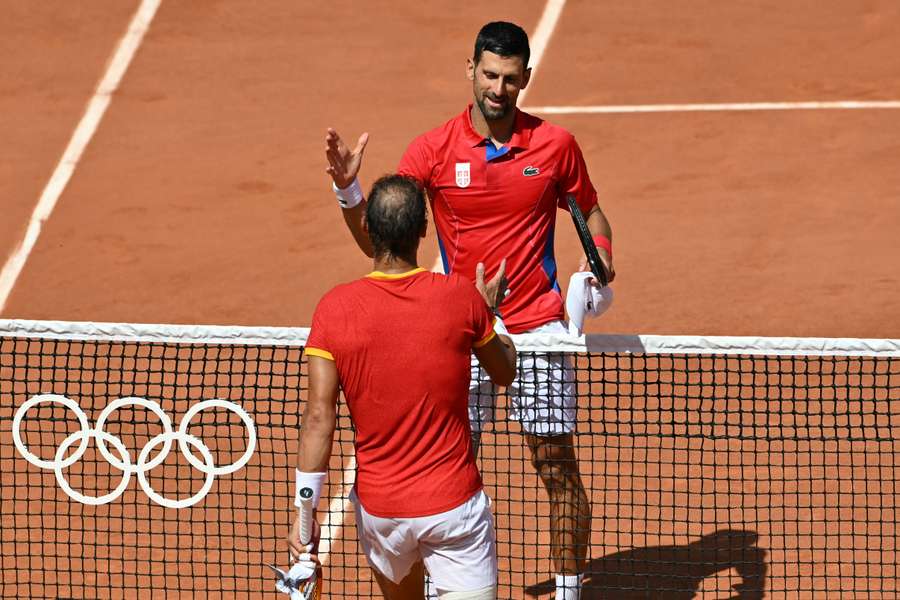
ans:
x=202 y=198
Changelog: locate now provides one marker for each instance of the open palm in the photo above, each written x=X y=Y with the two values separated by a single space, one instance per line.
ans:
x=343 y=164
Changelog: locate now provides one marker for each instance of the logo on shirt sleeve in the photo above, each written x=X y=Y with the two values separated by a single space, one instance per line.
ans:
x=463 y=175
x=530 y=171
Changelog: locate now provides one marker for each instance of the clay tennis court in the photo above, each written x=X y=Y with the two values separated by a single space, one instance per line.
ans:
x=201 y=195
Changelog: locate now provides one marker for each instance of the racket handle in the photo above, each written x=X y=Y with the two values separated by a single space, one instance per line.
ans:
x=306 y=518
x=587 y=243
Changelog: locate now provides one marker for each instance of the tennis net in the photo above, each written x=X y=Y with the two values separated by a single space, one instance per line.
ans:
x=140 y=461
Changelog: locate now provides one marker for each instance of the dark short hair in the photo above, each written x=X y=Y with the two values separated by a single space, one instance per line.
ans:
x=503 y=39
x=395 y=215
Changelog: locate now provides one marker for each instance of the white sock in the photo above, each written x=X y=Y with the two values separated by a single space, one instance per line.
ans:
x=568 y=587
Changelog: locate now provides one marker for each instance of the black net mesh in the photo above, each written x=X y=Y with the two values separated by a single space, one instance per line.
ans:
x=706 y=476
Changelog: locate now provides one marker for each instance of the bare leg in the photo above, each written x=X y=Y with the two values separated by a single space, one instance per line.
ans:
x=570 y=511
x=411 y=588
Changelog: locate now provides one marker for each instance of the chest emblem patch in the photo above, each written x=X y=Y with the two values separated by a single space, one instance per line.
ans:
x=463 y=175
x=530 y=171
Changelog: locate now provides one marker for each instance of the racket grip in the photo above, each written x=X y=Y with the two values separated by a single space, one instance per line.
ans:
x=306 y=518
x=587 y=242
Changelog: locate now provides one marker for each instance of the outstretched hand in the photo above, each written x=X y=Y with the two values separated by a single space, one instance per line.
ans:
x=495 y=290
x=343 y=164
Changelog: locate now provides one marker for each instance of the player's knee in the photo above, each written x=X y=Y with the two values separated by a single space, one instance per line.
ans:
x=488 y=593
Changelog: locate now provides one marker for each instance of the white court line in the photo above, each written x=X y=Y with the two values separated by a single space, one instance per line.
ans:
x=736 y=106
x=337 y=508
x=82 y=135
x=537 y=44
x=540 y=38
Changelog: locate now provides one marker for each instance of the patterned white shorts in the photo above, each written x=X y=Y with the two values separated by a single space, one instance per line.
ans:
x=542 y=397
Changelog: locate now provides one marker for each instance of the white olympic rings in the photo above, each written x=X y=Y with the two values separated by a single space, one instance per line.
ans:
x=123 y=461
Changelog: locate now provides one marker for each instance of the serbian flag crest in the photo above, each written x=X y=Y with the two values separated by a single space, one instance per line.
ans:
x=463 y=175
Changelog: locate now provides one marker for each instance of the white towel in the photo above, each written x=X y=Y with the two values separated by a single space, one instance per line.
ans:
x=585 y=300
x=292 y=581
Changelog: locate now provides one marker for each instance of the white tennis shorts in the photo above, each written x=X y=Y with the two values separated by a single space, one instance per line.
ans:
x=542 y=397
x=458 y=546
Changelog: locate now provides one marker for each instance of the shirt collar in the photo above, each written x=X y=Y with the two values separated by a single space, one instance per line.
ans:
x=520 y=138
x=380 y=275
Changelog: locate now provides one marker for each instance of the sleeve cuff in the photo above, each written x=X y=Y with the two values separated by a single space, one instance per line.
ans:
x=485 y=340
x=310 y=351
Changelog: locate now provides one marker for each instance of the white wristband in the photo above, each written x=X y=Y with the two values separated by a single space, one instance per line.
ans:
x=309 y=480
x=350 y=196
x=500 y=327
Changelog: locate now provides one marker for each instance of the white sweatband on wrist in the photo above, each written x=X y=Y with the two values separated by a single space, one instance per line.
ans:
x=350 y=196
x=315 y=481
x=500 y=327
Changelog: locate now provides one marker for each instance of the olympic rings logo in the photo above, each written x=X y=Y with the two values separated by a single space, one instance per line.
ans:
x=123 y=461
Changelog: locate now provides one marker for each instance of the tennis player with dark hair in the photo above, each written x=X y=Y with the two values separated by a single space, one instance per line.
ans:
x=398 y=343
x=495 y=177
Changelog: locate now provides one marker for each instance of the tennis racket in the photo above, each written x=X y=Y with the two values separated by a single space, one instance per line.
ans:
x=587 y=241
x=311 y=589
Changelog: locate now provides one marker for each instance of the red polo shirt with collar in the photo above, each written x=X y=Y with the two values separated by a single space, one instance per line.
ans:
x=490 y=204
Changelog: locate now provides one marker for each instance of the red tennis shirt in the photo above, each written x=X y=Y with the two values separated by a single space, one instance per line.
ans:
x=401 y=345
x=490 y=204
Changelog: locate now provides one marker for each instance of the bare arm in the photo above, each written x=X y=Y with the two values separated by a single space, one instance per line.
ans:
x=599 y=225
x=498 y=356
x=343 y=166
x=319 y=418
x=316 y=436
x=353 y=217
